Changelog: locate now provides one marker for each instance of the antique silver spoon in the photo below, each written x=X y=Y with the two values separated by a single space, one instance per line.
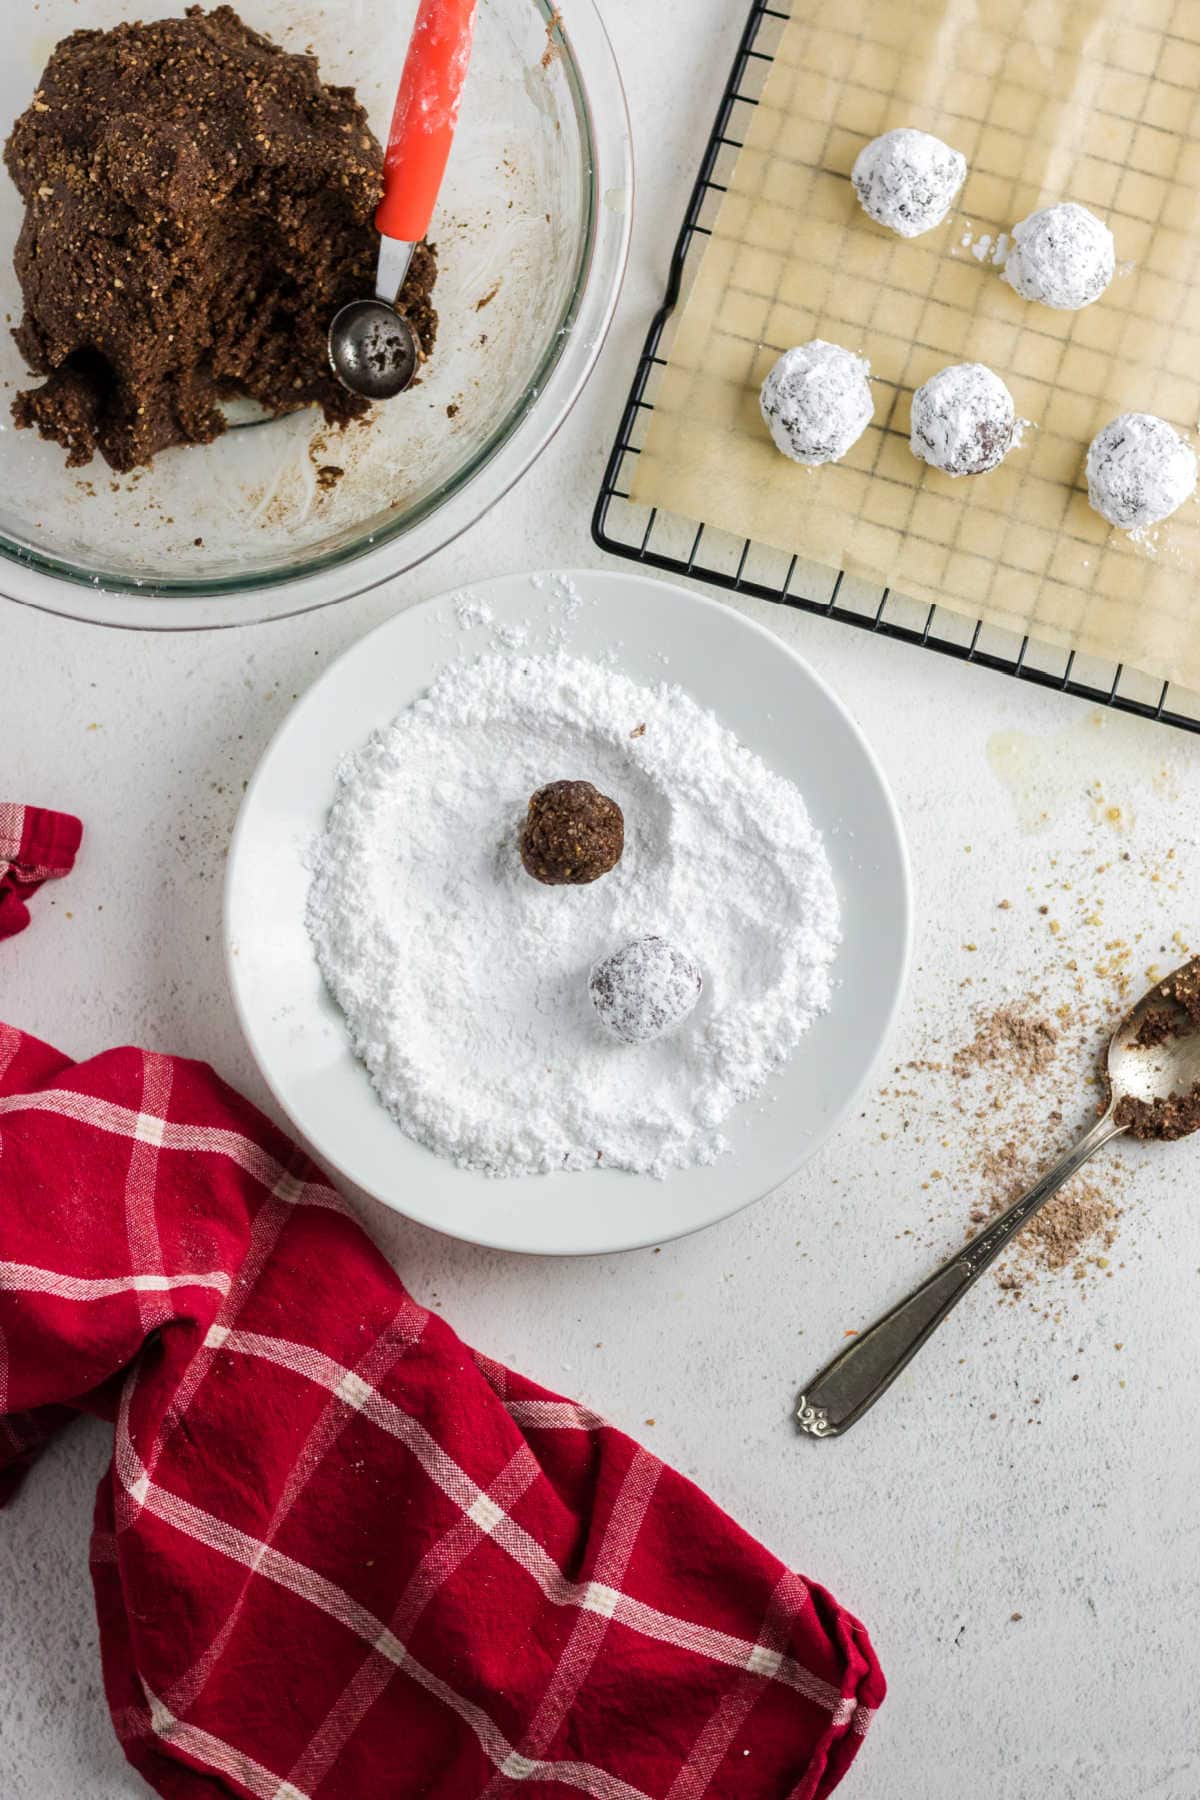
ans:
x=1153 y=1060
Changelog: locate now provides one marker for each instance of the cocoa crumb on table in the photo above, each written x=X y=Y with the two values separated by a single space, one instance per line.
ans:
x=997 y=1099
x=1011 y=1039
x=1080 y=1219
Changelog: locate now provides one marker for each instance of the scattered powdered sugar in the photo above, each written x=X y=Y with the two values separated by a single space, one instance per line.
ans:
x=1020 y=427
x=568 y=595
x=569 y=601
x=566 y=602
x=465 y=985
x=985 y=247
x=470 y=611
x=473 y=613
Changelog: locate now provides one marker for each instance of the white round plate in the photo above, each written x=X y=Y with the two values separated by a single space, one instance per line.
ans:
x=775 y=704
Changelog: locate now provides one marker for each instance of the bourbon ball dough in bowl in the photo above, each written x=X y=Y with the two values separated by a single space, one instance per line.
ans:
x=198 y=206
x=533 y=221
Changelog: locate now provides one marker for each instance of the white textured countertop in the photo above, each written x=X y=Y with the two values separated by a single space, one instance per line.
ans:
x=990 y=1483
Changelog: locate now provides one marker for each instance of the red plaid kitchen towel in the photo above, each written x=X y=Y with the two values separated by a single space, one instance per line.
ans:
x=35 y=846
x=337 y=1554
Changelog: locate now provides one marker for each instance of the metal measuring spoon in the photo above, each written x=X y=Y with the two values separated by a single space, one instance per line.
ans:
x=1153 y=1066
x=373 y=349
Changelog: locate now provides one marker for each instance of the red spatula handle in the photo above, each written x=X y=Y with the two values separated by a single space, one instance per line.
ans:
x=425 y=118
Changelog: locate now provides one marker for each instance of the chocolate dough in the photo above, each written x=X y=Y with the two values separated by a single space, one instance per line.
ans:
x=199 y=205
x=573 y=834
x=1178 y=1115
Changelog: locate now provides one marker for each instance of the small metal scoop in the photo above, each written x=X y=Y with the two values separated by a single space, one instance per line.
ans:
x=1153 y=1058
x=373 y=349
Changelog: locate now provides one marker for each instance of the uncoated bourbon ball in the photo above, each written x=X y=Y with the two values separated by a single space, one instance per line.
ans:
x=573 y=834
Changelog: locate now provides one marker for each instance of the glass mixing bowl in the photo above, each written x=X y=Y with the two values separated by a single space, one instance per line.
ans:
x=532 y=234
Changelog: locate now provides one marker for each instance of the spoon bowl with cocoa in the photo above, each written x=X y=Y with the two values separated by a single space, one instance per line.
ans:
x=1153 y=1077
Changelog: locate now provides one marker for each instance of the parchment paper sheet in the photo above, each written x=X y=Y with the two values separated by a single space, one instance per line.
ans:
x=1050 y=100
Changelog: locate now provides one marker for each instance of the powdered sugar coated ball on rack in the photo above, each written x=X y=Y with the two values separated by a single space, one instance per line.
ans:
x=1139 y=470
x=816 y=402
x=907 y=180
x=963 y=420
x=1062 y=256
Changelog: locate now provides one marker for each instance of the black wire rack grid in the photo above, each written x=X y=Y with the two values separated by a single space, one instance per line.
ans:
x=658 y=540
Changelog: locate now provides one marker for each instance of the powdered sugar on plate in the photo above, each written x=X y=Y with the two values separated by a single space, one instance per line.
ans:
x=471 y=611
x=464 y=983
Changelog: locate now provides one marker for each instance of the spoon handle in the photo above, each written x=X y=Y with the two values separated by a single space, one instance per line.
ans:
x=425 y=118
x=844 y=1390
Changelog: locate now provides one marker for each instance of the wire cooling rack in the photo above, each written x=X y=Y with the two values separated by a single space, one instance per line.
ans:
x=659 y=540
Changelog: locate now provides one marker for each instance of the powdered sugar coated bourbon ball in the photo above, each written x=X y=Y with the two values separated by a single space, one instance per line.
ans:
x=963 y=420
x=1062 y=256
x=1139 y=470
x=907 y=180
x=646 y=990
x=816 y=402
